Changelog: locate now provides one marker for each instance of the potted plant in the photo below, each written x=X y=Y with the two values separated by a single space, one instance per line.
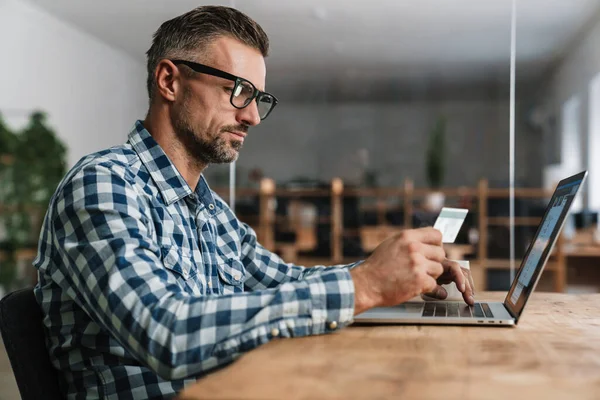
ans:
x=435 y=166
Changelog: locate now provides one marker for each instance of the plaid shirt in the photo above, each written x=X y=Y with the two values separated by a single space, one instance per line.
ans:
x=146 y=286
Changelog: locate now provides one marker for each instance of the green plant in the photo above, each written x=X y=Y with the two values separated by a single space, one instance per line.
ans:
x=435 y=159
x=40 y=162
x=39 y=165
x=34 y=163
x=8 y=141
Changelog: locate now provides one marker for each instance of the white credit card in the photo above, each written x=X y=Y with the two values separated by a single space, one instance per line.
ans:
x=449 y=222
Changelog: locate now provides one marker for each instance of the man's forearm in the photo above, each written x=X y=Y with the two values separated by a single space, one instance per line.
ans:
x=364 y=296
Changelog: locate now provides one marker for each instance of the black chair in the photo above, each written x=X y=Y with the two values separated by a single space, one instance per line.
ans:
x=23 y=335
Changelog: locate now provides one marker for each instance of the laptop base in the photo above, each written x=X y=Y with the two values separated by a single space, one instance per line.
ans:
x=412 y=313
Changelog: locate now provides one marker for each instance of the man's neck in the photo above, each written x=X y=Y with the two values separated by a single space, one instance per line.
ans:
x=162 y=131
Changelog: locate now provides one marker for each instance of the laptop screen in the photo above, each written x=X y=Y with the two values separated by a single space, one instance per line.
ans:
x=541 y=246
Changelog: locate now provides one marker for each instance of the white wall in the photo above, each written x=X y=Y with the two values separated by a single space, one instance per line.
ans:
x=92 y=93
x=571 y=145
x=593 y=144
x=572 y=79
x=580 y=65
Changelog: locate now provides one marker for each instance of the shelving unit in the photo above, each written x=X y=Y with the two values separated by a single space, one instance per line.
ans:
x=407 y=196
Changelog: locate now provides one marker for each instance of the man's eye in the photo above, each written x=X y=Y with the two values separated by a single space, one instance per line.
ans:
x=229 y=89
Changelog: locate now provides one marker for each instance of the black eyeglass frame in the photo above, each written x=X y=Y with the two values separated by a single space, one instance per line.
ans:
x=205 y=69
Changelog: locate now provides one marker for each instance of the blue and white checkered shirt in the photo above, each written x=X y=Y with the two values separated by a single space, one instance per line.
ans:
x=146 y=286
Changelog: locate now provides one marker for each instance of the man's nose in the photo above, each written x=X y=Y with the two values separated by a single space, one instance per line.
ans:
x=249 y=115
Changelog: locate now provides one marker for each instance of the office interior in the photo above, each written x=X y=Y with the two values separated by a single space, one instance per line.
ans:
x=388 y=111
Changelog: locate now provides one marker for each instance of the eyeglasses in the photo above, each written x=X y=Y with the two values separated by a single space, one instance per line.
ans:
x=243 y=91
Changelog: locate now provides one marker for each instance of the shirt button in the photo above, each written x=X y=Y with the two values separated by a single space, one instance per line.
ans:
x=333 y=325
x=209 y=283
x=211 y=206
x=237 y=277
x=185 y=274
x=274 y=332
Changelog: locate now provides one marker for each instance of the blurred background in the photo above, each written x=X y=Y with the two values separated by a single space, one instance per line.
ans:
x=389 y=110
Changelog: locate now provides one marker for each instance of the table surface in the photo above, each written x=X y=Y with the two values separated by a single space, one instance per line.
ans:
x=554 y=353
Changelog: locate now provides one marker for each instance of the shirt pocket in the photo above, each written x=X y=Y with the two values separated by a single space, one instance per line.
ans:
x=231 y=274
x=179 y=262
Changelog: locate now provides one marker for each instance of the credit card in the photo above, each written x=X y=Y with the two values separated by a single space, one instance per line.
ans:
x=449 y=222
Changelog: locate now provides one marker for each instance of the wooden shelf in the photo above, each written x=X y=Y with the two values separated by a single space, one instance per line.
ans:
x=319 y=220
x=519 y=221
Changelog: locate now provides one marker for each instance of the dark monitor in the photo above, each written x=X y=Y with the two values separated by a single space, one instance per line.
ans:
x=585 y=219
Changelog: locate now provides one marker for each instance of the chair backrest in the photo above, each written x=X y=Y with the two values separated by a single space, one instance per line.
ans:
x=23 y=334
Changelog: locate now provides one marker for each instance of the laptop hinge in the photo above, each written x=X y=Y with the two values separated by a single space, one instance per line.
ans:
x=512 y=314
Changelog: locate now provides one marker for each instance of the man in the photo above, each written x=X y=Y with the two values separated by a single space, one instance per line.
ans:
x=147 y=280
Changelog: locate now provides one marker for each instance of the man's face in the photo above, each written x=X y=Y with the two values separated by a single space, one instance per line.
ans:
x=209 y=127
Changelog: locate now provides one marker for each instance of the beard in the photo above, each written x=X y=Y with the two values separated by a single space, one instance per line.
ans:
x=205 y=147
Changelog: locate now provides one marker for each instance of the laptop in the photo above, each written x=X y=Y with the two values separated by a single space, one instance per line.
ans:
x=492 y=313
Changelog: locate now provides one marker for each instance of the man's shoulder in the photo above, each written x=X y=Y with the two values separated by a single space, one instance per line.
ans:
x=121 y=160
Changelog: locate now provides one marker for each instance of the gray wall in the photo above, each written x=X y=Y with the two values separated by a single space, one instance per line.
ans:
x=322 y=140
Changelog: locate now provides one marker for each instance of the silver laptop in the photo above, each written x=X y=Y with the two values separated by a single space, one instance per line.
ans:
x=492 y=313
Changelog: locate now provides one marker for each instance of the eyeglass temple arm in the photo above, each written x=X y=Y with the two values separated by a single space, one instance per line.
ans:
x=205 y=68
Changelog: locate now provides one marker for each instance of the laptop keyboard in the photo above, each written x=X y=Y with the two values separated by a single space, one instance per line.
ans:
x=457 y=310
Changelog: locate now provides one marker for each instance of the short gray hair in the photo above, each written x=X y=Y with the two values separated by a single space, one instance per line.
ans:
x=190 y=32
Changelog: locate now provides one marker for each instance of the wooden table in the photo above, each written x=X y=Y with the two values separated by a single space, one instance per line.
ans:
x=554 y=353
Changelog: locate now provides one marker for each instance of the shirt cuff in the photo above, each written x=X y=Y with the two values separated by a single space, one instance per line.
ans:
x=332 y=297
x=354 y=265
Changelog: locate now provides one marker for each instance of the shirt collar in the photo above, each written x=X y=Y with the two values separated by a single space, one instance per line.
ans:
x=165 y=175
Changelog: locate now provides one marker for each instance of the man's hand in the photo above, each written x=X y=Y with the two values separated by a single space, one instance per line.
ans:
x=401 y=267
x=404 y=266
x=461 y=276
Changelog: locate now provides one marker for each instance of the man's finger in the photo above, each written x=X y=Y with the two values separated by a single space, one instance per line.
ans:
x=430 y=285
x=431 y=252
x=469 y=293
x=452 y=268
x=438 y=293
x=434 y=269
x=427 y=235
x=467 y=273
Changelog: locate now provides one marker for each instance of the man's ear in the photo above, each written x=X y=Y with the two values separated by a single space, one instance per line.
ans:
x=168 y=78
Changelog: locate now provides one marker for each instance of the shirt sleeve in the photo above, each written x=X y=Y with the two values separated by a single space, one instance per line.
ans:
x=268 y=270
x=106 y=260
